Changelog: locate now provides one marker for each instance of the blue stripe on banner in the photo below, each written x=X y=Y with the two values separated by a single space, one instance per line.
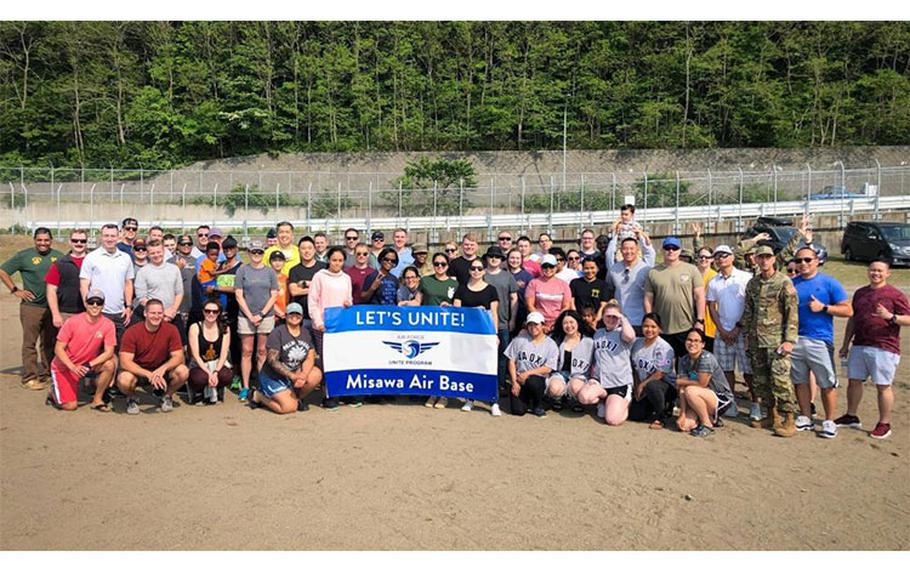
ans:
x=400 y=381
x=410 y=319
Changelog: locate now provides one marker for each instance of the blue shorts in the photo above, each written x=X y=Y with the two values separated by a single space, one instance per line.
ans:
x=270 y=386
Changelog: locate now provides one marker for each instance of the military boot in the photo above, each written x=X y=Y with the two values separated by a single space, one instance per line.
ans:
x=767 y=421
x=788 y=428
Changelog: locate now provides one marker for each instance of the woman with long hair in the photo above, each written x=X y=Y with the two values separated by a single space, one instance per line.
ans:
x=655 y=380
x=210 y=346
x=477 y=293
x=576 y=347
x=704 y=393
x=330 y=287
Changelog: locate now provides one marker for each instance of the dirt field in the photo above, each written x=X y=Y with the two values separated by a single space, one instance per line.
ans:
x=405 y=477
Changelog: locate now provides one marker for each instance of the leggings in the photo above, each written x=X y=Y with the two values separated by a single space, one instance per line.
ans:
x=199 y=378
x=530 y=396
x=655 y=402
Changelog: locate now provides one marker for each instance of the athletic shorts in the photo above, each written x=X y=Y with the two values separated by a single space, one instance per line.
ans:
x=270 y=386
x=265 y=327
x=65 y=383
x=728 y=354
x=816 y=356
x=867 y=361
x=722 y=405
x=624 y=391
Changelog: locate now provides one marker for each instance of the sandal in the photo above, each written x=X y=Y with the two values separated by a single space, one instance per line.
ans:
x=577 y=407
x=656 y=425
x=101 y=407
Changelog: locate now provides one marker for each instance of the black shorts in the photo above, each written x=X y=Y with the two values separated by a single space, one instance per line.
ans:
x=624 y=391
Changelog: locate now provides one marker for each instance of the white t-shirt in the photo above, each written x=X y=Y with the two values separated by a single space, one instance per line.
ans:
x=730 y=295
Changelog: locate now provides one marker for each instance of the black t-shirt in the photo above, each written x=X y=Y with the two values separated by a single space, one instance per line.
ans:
x=589 y=293
x=471 y=299
x=460 y=268
x=305 y=274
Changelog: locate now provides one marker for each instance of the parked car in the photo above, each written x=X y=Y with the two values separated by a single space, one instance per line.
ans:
x=781 y=231
x=835 y=192
x=866 y=240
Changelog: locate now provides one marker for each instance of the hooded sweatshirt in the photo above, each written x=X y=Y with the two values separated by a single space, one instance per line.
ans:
x=328 y=289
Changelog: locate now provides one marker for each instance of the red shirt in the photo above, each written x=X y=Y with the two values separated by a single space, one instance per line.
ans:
x=871 y=330
x=53 y=275
x=151 y=349
x=358 y=275
x=532 y=267
x=86 y=340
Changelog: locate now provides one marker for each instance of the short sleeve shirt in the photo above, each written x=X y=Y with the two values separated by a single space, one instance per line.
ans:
x=647 y=360
x=257 y=285
x=436 y=291
x=109 y=273
x=292 y=351
x=33 y=266
x=674 y=295
x=301 y=273
x=151 y=349
x=706 y=363
x=730 y=295
x=611 y=357
x=358 y=276
x=871 y=330
x=85 y=340
x=589 y=294
x=528 y=355
x=504 y=284
x=548 y=296
x=387 y=293
x=827 y=290
x=476 y=299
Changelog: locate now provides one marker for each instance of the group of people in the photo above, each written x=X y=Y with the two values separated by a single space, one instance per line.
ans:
x=600 y=325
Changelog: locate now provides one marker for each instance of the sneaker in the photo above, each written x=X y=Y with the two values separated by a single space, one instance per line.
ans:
x=236 y=384
x=34 y=384
x=732 y=411
x=132 y=407
x=755 y=414
x=302 y=406
x=848 y=421
x=701 y=431
x=244 y=395
x=167 y=404
x=468 y=406
x=330 y=403
x=557 y=404
x=356 y=403
x=803 y=423
x=441 y=402
x=601 y=410
x=494 y=410
x=430 y=402
x=881 y=431
x=829 y=429
x=539 y=412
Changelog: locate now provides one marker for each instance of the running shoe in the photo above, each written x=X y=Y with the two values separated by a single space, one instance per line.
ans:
x=701 y=431
x=829 y=429
x=468 y=406
x=539 y=412
x=803 y=423
x=848 y=421
x=244 y=395
x=557 y=404
x=755 y=412
x=430 y=402
x=302 y=406
x=330 y=403
x=881 y=431
x=494 y=410
x=601 y=410
x=167 y=404
x=441 y=402
x=236 y=384
x=132 y=407
x=356 y=403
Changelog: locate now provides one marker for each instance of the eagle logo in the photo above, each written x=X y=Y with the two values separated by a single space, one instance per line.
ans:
x=411 y=348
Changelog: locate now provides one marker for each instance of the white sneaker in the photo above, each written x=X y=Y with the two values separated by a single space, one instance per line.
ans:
x=829 y=429
x=441 y=402
x=755 y=413
x=494 y=410
x=601 y=409
x=803 y=423
x=430 y=402
x=468 y=406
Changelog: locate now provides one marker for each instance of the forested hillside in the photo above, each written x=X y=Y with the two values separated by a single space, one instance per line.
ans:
x=163 y=94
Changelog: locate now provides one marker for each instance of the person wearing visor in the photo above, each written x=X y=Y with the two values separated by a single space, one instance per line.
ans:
x=256 y=287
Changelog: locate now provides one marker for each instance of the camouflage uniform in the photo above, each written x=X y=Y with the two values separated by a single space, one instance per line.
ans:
x=769 y=319
x=746 y=246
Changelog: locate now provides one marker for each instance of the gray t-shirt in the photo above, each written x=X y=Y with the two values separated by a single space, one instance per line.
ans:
x=292 y=351
x=505 y=285
x=648 y=360
x=613 y=365
x=581 y=354
x=162 y=282
x=186 y=273
x=257 y=285
x=629 y=288
x=529 y=355
x=706 y=363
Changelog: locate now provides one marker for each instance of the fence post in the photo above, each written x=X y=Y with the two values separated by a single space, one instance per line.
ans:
x=277 y=196
x=370 y=204
x=774 y=166
x=492 y=199
x=122 y=187
x=843 y=190
x=808 y=188
x=739 y=222
x=460 y=202
x=82 y=185
x=400 y=195
x=522 y=200
x=613 y=197
x=676 y=213
x=152 y=196
x=91 y=220
x=581 y=204
x=309 y=203
x=58 y=204
x=12 y=196
x=112 y=183
x=141 y=184
x=214 y=203
x=646 y=201
x=171 y=195
x=338 y=211
x=878 y=190
x=550 y=216
x=246 y=200
x=183 y=200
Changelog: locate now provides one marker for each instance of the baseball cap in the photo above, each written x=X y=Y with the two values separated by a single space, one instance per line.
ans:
x=95 y=293
x=139 y=243
x=763 y=250
x=723 y=249
x=215 y=232
x=377 y=236
x=293 y=307
x=534 y=317
x=420 y=248
x=229 y=243
x=495 y=251
x=276 y=255
x=272 y=234
x=256 y=245
x=548 y=259
x=671 y=242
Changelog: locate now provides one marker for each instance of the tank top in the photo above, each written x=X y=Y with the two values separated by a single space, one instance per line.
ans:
x=209 y=350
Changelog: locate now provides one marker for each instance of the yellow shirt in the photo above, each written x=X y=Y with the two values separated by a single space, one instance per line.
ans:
x=710 y=328
x=291 y=257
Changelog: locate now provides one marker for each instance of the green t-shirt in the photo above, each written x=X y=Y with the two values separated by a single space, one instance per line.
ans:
x=436 y=291
x=33 y=267
x=674 y=295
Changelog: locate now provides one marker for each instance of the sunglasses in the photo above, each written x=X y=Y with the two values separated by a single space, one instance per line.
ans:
x=505 y=238
x=721 y=255
x=78 y=241
x=378 y=240
x=202 y=234
x=574 y=257
x=212 y=311
x=803 y=260
x=671 y=248
x=184 y=244
x=547 y=266
x=390 y=259
x=351 y=238
x=440 y=264
x=451 y=250
x=139 y=249
x=131 y=228
x=476 y=269
x=703 y=257
x=257 y=252
x=94 y=302
x=362 y=253
x=791 y=271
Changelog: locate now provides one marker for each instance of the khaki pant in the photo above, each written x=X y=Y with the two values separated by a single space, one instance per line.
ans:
x=36 y=324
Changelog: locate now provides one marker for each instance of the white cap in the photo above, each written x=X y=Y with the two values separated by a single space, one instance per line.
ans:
x=535 y=317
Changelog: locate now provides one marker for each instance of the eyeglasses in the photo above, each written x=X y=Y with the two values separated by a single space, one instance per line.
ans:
x=574 y=257
x=139 y=249
x=78 y=241
x=212 y=311
x=560 y=259
x=671 y=248
x=378 y=240
x=94 y=302
x=440 y=264
x=803 y=260
x=450 y=251
x=476 y=269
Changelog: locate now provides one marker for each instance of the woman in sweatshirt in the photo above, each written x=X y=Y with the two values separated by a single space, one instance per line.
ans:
x=330 y=287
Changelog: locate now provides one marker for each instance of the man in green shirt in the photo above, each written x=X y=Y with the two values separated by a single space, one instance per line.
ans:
x=35 y=316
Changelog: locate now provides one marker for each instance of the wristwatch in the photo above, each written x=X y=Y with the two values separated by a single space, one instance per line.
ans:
x=825 y=308
x=701 y=321
x=14 y=289
x=893 y=319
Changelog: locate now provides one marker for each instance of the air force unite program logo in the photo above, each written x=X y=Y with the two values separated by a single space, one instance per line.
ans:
x=411 y=348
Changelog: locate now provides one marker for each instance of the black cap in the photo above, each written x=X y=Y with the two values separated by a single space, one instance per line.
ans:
x=495 y=251
x=276 y=255
x=229 y=243
x=271 y=234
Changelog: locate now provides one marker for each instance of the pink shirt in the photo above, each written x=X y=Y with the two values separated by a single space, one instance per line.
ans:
x=548 y=296
x=327 y=290
x=85 y=340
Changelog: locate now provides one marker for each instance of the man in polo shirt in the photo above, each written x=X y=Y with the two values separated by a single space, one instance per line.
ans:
x=321 y=243
x=64 y=296
x=110 y=270
x=821 y=298
x=405 y=257
x=129 y=230
x=33 y=265
x=151 y=355
x=287 y=247
x=879 y=311
x=676 y=291
x=726 y=297
x=84 y=349
x=629 y=276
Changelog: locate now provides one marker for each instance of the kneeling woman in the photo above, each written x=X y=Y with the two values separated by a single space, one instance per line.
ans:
x=655 y=384
x=704 y=393
x=532 y=357
x=210 y=346
x=611 y=388
x=290 y=371
x=576 y=347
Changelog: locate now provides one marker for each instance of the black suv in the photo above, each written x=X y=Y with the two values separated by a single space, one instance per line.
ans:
x=865 y=240
x=781 y=231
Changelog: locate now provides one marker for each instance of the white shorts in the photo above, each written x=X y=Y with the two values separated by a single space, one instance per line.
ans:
x=866 y=361
x=816 y=356
x=728 y=355
x=245 y=327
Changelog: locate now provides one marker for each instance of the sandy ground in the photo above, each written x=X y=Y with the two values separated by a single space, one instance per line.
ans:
x=405 y=477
